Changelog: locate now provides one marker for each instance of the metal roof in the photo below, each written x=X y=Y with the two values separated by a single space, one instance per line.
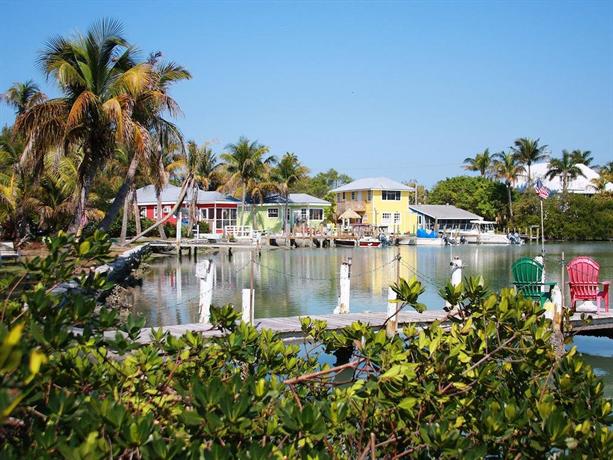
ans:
x=444 y=212
x=372 y=183
x=170 y=194
x=294 y=198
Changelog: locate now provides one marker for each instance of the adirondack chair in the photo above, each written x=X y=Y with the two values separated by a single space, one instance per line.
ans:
x=528 y=279
x=583 y=275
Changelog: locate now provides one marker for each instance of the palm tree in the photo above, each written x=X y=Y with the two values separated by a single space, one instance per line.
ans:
x=565 y=168
x=582 y=157
x=482 y=162
x=606 y=169
x=23 y=96
x=528 y=151
x=149 y=109
x=507 y=168
x=100 y=81
x=286 y=174
x=201 y=163
x=245 y=163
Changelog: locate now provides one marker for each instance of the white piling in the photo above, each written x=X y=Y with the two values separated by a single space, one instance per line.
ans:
x=178 y=230
x=247 y=306
x=392 y=309
x=541 y=261
x=345 y=287
x=456 y=273
x=205 y=271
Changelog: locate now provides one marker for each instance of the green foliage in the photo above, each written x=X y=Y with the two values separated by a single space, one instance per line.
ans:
x=320 y=184
x=568 y=217
x=475 y=194
x=489 y=384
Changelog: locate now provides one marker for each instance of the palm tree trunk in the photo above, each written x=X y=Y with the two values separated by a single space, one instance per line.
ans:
x=243 y=207
x=182 y=192
x=529 y=175
x=120 y=198
x=510 y=202
x=285 y=219
x=124 y=218
x=192 y=208
x=159 y=213
x=80 y=218
x=136 y=212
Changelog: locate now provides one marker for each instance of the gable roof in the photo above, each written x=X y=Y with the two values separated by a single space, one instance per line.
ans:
x=294 y=198
x=170 y=194
x=372 y=183
x=581 y=184
x=444 y=212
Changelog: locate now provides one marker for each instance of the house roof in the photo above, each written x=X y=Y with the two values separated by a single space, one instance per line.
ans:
x=170 y=194
x=444 y=212
x=294 y=198
x=581 y=184
x=372 y=183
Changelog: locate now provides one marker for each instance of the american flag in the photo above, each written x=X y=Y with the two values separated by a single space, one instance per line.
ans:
x=541 y=190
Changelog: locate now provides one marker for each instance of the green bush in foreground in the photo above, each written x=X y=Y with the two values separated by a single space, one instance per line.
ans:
x=490 y=385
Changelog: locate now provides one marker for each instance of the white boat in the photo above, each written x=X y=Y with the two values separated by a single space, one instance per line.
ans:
x=417 y=241
x=369 y=242
x=482 y=232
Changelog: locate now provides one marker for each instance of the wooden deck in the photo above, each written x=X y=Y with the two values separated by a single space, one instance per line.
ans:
x=289 y=327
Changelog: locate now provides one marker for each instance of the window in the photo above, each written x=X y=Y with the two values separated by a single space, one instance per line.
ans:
x=143 y=212
x=316 y=214
x=165 y=209
x=353 y=195
x=369 y=196
x=155 y=212
x=338 y=197
x=273 y=212
x=343 y=196
x=303 y=213
x=390 y=195
x=386 y=217
x=396 y=217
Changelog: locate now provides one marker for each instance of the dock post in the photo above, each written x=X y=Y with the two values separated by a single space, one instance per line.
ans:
x=456 y=273
x=205 y=271
x=178 y=230
x=392 y=310
x=345 y=286
x=247 y=306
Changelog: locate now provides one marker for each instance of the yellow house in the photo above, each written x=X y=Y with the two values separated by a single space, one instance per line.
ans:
x=380 y=202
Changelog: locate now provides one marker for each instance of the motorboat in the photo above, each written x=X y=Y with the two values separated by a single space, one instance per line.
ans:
x=369 y=242
x=424 y=237
x=482 y=232
x=347 y=242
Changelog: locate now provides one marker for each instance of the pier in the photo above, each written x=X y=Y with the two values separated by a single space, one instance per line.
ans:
x=288 y=328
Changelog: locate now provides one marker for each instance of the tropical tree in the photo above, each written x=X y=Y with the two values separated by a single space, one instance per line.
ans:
x=286 y=174
x=246 y=162
x=201 y=163
x=482 y=162
x=565 y=168
x=100 y=80
x=150 y=108
x=507 y=168
x=22 y=96
x=582 y=157
x=527 y=152
x=606 y=169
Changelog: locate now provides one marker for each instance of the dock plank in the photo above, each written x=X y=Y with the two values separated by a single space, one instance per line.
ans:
x=288 y=327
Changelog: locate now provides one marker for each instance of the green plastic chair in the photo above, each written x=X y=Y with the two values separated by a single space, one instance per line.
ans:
x=527 y=279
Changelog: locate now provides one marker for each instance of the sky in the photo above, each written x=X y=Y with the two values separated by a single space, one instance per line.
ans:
x=405 y=90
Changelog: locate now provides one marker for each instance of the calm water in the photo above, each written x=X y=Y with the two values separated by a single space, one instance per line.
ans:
x=305 y=281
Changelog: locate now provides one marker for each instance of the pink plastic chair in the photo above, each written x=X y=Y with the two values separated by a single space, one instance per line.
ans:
x=583 y=282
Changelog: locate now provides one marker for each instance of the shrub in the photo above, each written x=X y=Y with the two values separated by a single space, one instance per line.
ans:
x=489 y=385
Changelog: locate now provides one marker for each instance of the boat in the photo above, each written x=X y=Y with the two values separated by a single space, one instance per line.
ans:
x=424 y=237
x=349 y=242
x=482 y=232
x=369 y=242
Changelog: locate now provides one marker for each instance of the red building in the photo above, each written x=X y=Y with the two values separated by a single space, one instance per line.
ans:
x=214 y=208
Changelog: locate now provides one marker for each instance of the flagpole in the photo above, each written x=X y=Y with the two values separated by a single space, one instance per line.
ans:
x=542 y=231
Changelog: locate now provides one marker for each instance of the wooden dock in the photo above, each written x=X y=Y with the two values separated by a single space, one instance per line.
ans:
x=289 y=329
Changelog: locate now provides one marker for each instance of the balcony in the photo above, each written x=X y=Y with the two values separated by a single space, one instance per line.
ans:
x=357 y=206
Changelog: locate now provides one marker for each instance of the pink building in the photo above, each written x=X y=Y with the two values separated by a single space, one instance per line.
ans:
x=214 y=208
